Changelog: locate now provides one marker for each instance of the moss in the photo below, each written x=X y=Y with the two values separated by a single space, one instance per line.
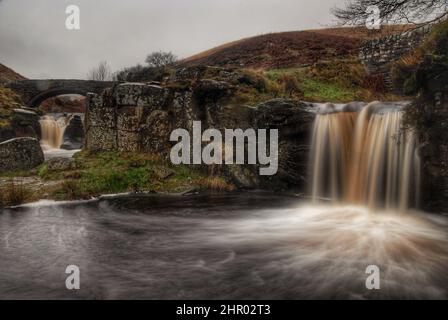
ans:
x=42 y=170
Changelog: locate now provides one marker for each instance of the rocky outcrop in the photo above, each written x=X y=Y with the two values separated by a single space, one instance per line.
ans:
x=74 y=134
x=23 y=123
x=140 y=118
x=294 y=120
x=60 y=164
x=20 y=154
x=433 y=129
x=26 y=123
x=130 y=117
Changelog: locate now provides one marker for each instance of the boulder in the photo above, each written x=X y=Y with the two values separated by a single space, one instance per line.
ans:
x=74 y=133
x=69 y=145
x=26 y=123
x=61 y=164
x=294 y=120
x=20 y=154
x=23 y=123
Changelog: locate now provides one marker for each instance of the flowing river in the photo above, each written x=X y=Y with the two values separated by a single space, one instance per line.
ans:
x=235 y=246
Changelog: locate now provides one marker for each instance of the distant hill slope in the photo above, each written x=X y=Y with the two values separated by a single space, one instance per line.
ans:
x=287 y=49
x=7 y=74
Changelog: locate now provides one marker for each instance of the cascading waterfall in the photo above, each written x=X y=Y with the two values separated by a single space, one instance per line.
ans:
x=362 y=155
x=52 y=131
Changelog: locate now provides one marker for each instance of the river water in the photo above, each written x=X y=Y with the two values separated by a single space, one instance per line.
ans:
x=237 y=246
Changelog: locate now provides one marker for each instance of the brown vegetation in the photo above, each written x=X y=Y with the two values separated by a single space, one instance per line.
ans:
x=7 y=74
x=289 y=49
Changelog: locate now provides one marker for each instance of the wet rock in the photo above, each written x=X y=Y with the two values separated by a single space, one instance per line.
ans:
x=68 y=145
x=20 y=154
x=294 y=120
x=74 y=134
x=61 y=164
x=25 y=123
x=162 y=173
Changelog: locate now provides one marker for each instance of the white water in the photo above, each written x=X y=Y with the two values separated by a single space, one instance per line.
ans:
x=365 y=157
x=52 y=131
x=241 y=246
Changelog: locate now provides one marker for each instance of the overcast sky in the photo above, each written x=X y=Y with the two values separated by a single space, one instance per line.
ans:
x=35 y=42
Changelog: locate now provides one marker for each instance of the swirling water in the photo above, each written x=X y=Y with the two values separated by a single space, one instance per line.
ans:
x=235 y=246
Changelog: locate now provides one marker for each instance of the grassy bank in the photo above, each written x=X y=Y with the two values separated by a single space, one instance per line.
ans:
x=337 y=81
x=94 y=174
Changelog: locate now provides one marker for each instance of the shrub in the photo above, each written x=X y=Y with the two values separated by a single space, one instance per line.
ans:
x=253 y=79
x=403 y=72
x=435 y=47
x=291 y=85
x=161 y=59
x=345 y=73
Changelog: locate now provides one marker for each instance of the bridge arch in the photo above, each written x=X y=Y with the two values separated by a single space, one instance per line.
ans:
x=36 y=101
x=34 y=92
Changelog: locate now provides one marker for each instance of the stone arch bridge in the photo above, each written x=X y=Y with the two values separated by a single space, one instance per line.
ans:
x=34 y=92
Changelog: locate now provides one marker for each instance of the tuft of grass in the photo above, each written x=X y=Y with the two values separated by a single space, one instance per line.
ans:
x=14 y=194
x=216 y=184
x=70 y=190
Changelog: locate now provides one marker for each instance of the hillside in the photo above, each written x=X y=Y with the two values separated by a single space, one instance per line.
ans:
x=7 y=74
x=289 y=49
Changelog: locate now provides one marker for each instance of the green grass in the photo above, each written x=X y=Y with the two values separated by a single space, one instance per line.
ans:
x=313 y=88
x=113 y=172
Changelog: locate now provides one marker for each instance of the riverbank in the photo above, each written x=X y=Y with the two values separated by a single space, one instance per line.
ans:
x=88 y=175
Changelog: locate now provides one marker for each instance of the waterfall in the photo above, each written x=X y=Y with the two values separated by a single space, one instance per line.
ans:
x=362 y=155
x=52 y=131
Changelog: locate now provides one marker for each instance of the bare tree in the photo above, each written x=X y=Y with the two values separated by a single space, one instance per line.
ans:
x=418 y=12
x=100 y=73
x=161 y=59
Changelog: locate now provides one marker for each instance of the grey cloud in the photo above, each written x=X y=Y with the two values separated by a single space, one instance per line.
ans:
x=35 y=42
